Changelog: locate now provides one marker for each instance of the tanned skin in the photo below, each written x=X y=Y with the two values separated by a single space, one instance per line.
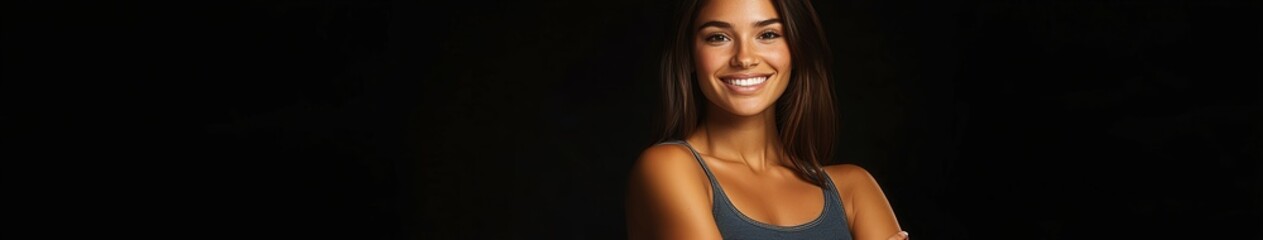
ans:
x=669 y=196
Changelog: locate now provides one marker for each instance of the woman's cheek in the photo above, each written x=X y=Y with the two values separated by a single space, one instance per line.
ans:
x=711 y=60
x=779 y=58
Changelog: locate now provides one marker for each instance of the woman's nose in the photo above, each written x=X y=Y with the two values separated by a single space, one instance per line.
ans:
x=745 y=57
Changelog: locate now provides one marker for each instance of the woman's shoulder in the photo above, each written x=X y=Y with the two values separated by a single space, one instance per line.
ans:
x=863 y=201
x=846 y=171
x=850 y=177
x=666 y=158
x=663 y=173
x=668 y=194
x=859 y=192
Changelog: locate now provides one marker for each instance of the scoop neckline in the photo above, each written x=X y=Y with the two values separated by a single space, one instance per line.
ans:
x=819 y=218
x=733 y=206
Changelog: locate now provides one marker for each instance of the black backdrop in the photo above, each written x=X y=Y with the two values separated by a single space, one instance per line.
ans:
x=520 y=119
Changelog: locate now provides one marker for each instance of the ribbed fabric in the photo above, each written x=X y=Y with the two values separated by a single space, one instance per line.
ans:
x=831 y=224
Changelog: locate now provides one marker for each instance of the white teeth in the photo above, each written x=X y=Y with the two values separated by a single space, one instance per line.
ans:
x=746 y=82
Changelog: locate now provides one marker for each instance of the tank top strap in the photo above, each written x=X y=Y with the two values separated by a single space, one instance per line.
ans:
x=832 y=193
x=714 y=184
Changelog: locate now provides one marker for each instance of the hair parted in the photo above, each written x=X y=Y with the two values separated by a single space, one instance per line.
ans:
x=806 y=120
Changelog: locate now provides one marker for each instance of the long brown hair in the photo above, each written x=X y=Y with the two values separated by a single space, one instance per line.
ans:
x=805 y=115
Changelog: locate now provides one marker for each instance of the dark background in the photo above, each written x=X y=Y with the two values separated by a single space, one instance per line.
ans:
x=520 y=119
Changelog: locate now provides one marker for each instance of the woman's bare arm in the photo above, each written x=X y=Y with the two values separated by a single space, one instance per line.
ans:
x=668 y=197
x=868 y=212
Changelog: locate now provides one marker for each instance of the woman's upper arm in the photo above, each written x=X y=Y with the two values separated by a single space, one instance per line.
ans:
x=872 y=217
x=667 y=197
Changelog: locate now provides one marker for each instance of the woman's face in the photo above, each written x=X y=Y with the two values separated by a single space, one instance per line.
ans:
x=741 y=57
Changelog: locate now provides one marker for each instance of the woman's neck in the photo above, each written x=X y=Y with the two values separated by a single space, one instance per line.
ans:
x=750 y=139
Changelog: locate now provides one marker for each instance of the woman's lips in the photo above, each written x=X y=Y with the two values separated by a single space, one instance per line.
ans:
x=745 y=84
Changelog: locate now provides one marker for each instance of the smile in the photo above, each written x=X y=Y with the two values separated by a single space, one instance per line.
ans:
x=745 y=84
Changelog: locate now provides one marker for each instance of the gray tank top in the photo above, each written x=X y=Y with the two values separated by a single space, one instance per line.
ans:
x=831 y=224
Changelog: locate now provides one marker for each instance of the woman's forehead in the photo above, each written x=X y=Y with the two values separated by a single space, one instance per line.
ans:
x=736 y=12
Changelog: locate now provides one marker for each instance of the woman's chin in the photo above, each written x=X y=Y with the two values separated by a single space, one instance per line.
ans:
x=747 y=109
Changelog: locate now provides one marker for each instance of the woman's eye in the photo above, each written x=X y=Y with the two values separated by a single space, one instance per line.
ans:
x=769 y=35
x=716 y=38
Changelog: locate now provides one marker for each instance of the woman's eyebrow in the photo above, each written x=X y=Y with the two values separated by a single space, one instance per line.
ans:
x=720 y=24
x=767 y=22
x=717 y=24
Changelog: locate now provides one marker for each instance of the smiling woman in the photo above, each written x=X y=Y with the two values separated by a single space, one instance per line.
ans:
x=744 y=162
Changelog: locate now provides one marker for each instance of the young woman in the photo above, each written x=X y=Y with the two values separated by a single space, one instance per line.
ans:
x=749 y=117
